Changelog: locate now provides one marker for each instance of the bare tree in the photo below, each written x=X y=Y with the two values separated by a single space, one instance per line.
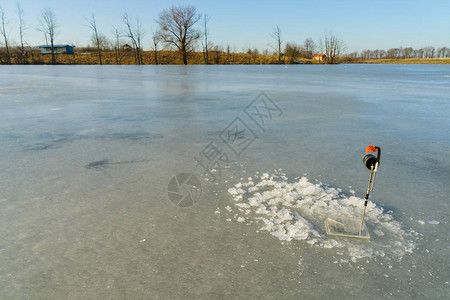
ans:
x=429 y=52
x=48 y=27
x=206 y=19
x=276 y=34
x=156 y=38
x=116 y=34
x=333 y=47
x=97 y=40
x=420 y=53
x=309 y=48
x=177 y=28
x=351 y=56
x=408 y=52
x=103 y=41
x=394 y=53
x=139 y=34
x=376 y=53
x=5 y=35
x=135 y=34
x=443 y=52
x=22 y=28
x=370 y=54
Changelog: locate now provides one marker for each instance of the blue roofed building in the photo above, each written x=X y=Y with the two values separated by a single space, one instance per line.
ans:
x=58 y=49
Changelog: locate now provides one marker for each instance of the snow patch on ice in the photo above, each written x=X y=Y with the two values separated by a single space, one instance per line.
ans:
x=297 y=211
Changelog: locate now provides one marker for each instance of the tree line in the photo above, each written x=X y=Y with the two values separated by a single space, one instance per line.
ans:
x=330 y=45
x=400 y=52
x=181 y=29
x=177 y=30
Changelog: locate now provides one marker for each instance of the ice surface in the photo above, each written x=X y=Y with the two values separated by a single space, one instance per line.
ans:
x=297 y=211
x=70 y=231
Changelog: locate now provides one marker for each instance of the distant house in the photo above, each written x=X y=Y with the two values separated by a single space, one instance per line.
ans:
x=127 y=47
x=57 y=49
x=319 y=57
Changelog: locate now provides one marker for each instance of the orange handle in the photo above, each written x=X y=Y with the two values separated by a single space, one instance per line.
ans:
x=371 y=148
x=374 y=149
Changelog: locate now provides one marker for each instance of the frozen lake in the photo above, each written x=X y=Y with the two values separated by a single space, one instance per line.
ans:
x=90 y=205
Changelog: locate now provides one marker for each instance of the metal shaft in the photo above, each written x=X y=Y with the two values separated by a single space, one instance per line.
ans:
x=369 y=189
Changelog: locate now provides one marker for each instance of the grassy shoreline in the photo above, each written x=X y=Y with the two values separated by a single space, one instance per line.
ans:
x=197 y=58
x=439 y=61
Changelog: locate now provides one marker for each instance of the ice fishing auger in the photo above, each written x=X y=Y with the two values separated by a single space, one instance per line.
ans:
x=371 y=162
x=352 y=227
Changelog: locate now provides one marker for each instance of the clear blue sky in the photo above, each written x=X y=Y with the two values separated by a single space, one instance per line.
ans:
x=242 y=24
